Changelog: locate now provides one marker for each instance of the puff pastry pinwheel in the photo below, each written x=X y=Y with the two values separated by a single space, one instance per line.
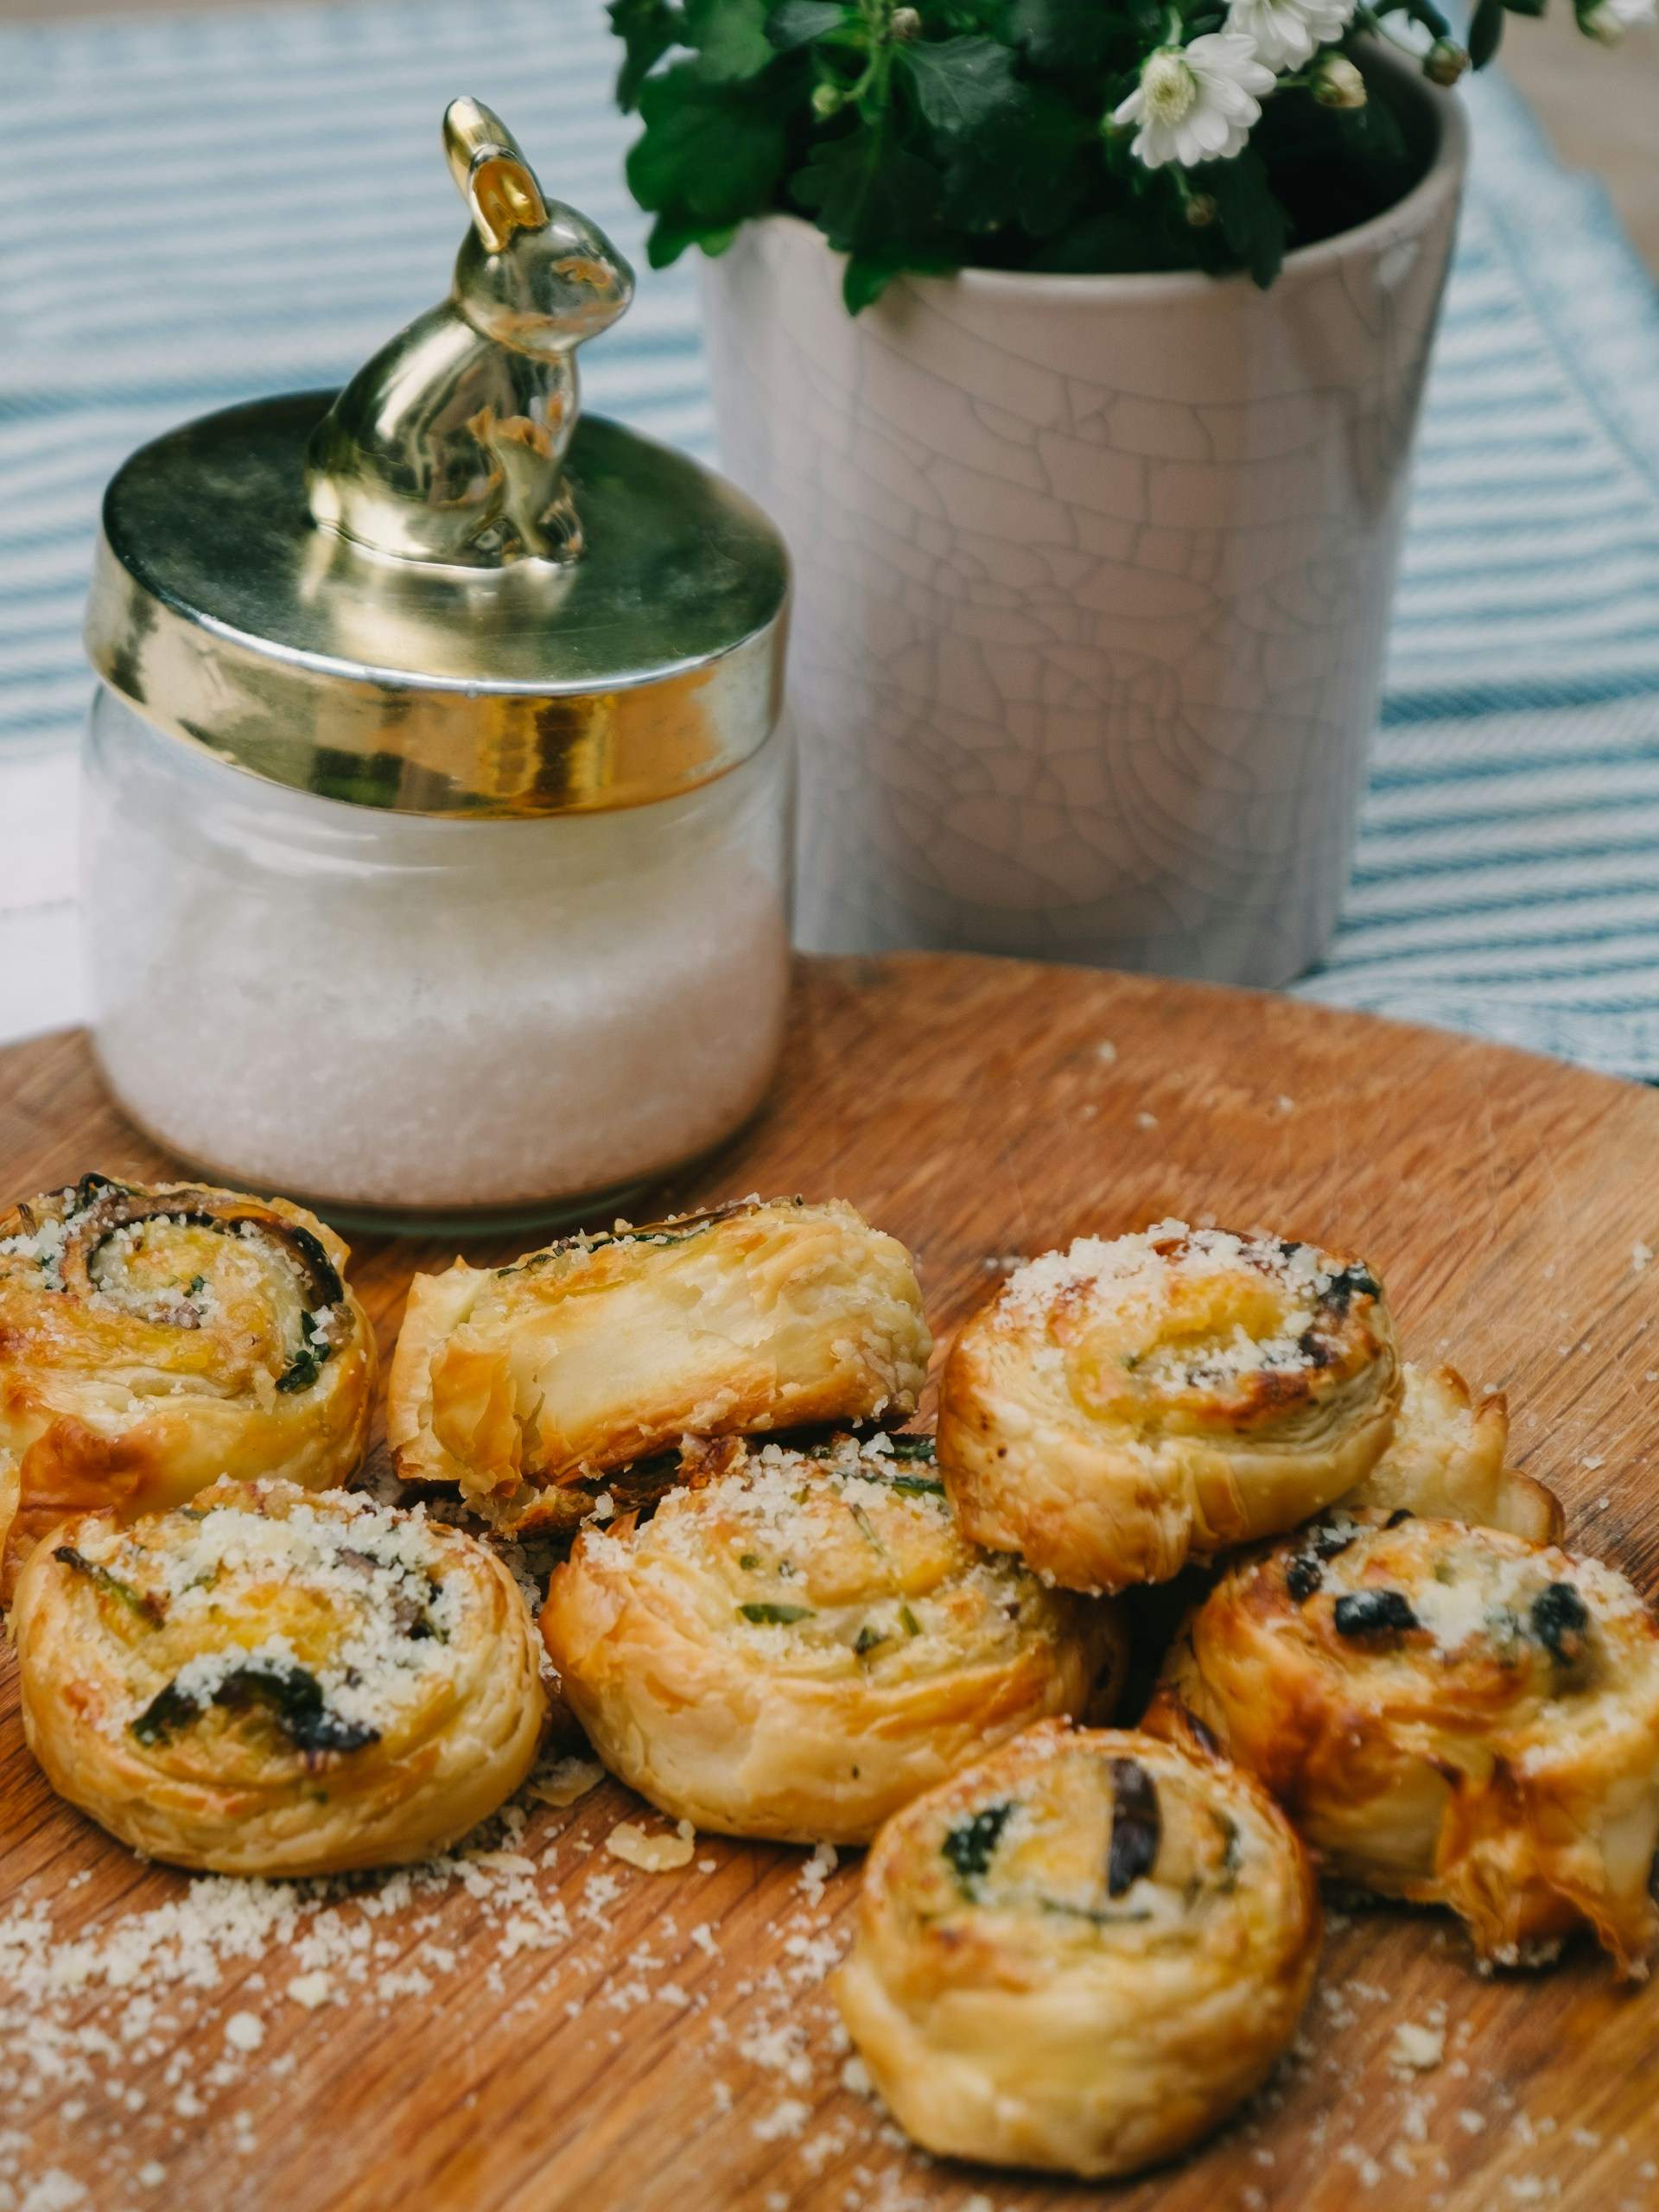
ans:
x=271 y=1680
x=1079 y=1954
x=153 y=1339
x=795 y=1644
x=1450 y=1714
x=1446 y=1459
x=1123 y=1406
x=606 y=1348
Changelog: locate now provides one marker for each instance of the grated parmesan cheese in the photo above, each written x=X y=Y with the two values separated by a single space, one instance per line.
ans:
x=654 y=1853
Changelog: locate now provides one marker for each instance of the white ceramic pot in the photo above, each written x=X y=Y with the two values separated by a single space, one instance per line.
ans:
x=1093 y=578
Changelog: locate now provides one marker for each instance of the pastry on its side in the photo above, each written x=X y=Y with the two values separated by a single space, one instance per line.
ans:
x=1450 y=1714
x=1080 y=1954
x=273 y=1681
x=794 y=1645
x=1447 y=1460
x=1122 y=1408
x=157 y=1339
x=606 y=1348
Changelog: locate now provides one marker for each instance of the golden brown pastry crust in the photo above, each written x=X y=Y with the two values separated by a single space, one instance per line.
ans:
x=1497 y=1751
x=603 y=1349
x=1445 y=1460
x=1080 y=1954
x=153 y=1339
x=1122 y=1407
x=273 y=1680
x=793 y=1647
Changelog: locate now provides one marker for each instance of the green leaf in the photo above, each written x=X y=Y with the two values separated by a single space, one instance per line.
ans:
x=730 y=37
x=1060 y=35
x=866 y=277
x=647 y=28
x=1113 y=244
x=1485 y=30
x=961 y=84
x=798 y=22
x=710 y=157
x=669 y=236
x=775 y=1616
x=1252 y=219
x=1029 y=167
x=867 y=195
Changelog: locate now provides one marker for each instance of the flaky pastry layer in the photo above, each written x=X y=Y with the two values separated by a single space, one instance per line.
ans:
x=155 y=1338
x=1450 y=1714
x=270 y=1680
x=604 y=1349
x=795 y=1645
x=1079 y=1954
x=1122 y=1407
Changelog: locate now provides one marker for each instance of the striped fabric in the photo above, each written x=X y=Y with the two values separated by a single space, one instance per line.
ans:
x=194 y=209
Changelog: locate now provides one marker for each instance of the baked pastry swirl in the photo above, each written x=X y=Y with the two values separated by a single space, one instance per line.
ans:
x=153 y=1339
x=274 y=1681
x=798 y=1642
x=1080 y=1954
x=606 y=1348
x=1450 y=1714
x=1447 y=1459
x=1123 y=1406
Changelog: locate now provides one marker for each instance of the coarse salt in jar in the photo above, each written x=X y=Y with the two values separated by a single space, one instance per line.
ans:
x=436 y=856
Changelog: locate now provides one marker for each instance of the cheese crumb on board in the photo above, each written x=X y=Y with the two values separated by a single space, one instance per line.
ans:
x=246 y=2031
x=653 y=1853
x=1417 y=2048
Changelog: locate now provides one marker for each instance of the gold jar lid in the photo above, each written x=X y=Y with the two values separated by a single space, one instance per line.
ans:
x=442 y=590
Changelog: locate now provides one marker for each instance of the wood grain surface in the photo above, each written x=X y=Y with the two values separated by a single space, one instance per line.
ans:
x=670 y=2049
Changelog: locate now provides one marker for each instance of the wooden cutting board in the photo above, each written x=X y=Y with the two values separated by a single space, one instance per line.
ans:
x=670 y=2050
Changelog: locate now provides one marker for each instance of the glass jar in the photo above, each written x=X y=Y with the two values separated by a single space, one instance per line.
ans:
x=429 y=1018
x=437 y=796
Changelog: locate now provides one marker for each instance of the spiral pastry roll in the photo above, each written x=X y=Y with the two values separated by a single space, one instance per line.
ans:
x=796 y=1643
x=152 y=1340
x=1124 y=1407
x=1447 y=1460
x=272 y=1681
x=604 y=1349
x=1080 y=1954
x=1450 y=1714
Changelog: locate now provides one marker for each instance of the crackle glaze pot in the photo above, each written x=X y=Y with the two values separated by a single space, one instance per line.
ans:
x=1093 y=582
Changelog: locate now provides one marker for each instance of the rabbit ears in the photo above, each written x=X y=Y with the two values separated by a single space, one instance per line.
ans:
x=496 y=181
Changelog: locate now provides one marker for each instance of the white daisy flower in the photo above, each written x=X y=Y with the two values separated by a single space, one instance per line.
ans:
x=1287 y=33
x=1610 y=19
x=1196 y=103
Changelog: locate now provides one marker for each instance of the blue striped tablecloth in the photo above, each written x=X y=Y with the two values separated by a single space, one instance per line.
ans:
x=199 y=207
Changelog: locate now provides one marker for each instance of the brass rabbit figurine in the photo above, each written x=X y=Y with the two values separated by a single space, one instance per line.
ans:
x=449 y=445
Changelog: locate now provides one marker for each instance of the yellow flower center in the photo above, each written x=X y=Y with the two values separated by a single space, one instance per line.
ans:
x=1168 y=85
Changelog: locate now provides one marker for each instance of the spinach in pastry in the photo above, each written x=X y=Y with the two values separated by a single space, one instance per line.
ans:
x=798 y=1642
x=1450 y=1714
x=153 y=1339
x=270 y=1680
x=1126 y=1406
x=1080 y=1954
